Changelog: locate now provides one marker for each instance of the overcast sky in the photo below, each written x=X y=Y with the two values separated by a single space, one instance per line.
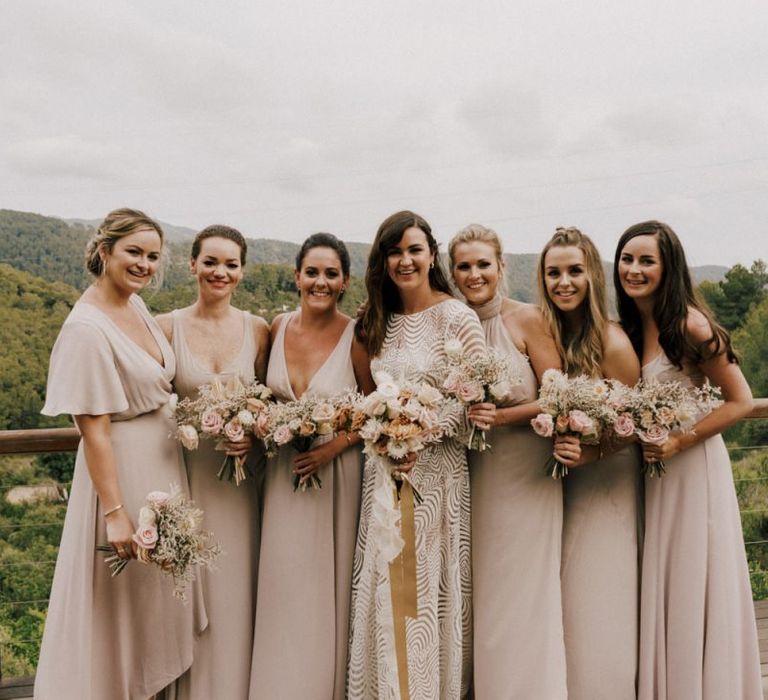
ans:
x=295 y=116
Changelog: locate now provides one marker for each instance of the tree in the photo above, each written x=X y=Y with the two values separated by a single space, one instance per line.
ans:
x=732 y=298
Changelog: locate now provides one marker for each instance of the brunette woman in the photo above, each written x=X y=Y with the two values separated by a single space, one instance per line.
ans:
x=517 y=509
x=111 y=368
x=409 y=316
x=599 y=573
x=697 y=625
x=214 y=341
x=308 y=536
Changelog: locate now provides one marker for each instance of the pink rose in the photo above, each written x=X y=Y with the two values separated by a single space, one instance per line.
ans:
x=283 y=435
x=234 y=430
x=470 y=392
x=211 y=422
x=655 y=435
x=261 y=425
x=580 y=422
x=452 y=382
x=561 y=424
x=146 y=537
x=543 y=425
x=624 y=425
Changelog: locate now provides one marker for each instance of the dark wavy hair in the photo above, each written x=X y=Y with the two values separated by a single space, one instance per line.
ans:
x=383 y=294
x=220 y=231
x=673 y=300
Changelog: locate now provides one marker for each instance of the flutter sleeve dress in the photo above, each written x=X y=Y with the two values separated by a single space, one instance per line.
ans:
x=222 y=666
x=517 y=519
x=439 y=639
x=307 y=545
x=127 y=637
x=698 y=637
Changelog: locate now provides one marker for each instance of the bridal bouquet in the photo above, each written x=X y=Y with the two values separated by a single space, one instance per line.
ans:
x=300 y=422
x=400 y=418
x=481 y=378
x=397 y=419
x=223 y=412
x=169 y=535
x=653 y=410
x=577 y=406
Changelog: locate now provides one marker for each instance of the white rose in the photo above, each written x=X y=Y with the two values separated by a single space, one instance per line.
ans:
x=428 y=395
x=324 y=428
x=246 y=418
x=373 y=405
x=188 y=436
x=500 y=390
x=386 y=386
x=173 y=401
x=393 y=409
x=147 y=517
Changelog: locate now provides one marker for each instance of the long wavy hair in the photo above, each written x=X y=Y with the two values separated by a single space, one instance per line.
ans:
x=383 y=294
x=674 y=298
x=581 y=351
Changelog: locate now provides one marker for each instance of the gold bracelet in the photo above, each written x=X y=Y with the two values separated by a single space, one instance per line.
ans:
x=113 y=510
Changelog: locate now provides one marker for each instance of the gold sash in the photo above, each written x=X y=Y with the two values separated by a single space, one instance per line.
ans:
x=402 y=583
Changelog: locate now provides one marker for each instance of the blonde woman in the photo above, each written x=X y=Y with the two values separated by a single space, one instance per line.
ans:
x=111 y=369
x=517 y=509
x=599 y=574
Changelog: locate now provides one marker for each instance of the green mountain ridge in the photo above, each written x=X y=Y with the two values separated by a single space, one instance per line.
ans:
x=58 y=253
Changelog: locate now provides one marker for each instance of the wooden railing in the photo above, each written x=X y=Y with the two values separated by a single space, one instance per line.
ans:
x=39 y=440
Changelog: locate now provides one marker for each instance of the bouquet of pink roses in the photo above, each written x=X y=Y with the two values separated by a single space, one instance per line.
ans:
x=576 y=406
x=169 y=535
x=299 y=423
x=481 y=378
x=653 y=410
x=225 y=413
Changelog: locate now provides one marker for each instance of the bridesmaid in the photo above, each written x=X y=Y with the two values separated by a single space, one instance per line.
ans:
x=516 y=507
x=697 y=624
x=409 y=316
x=213 y=340
x=599 y=573
x=111 y=369
x=308 y=538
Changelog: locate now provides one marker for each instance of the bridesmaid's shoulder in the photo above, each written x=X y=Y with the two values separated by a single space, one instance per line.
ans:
x=165 y=321
x=275 y=325
x=261 y=330
x=697 y=326
x=524 y=315
x=615 y=339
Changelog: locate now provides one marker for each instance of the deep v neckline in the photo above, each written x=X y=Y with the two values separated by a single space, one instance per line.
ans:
x=162 y=365
x=229 y=369
x=316 y=372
